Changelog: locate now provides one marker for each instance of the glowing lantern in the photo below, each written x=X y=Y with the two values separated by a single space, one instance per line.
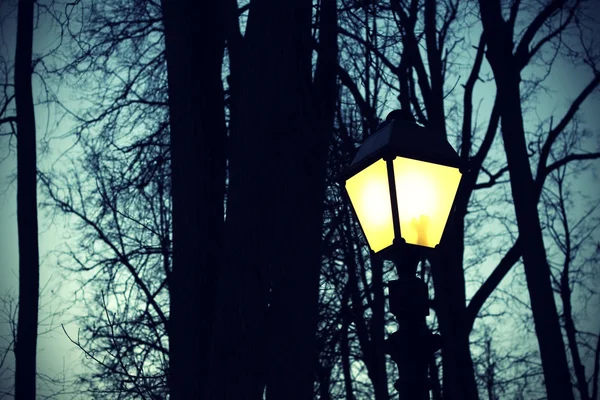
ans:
x=402 y=184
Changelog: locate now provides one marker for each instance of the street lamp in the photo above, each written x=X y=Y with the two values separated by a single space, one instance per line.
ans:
x=402 y=184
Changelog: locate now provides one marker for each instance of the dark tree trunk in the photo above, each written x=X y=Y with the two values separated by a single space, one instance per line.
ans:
x=447 y=266
x=238 y=353
x=537 y=271
x=194 y=53
x=294 y=305
x=434 y=376
x=270 y=114
x=448 y=277
x=279 y=136
x=345 y=356
x=29 y=272
x=378 y=372
x=324 y=376
x=571 y=331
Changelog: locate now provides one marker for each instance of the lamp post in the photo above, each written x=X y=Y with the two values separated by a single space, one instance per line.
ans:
x=401 y=185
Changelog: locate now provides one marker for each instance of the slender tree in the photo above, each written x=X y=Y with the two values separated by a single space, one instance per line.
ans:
x=507 y=61
x=26 y=341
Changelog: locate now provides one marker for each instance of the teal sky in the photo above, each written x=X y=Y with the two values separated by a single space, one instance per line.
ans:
x=56 y=355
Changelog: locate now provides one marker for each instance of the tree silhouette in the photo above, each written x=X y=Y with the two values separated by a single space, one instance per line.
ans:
x=197 y=143
x=26 y=340
x=506 y=63
x=277 y=294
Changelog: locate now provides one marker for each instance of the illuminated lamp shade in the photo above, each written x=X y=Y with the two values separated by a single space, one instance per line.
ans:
x=369 y=191
x=402 y=184
x=425 y=193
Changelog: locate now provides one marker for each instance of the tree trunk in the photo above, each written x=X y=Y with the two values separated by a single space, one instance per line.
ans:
x=378 y=372
x=197 y=124
x=29 y=272
x=238 y=353
x=571 y=331
x=324 y=376
x=447 y=266
x=537 y=271
x=448 y=275
x=450 y=305
x=298 y=191
x=279 y=137
x=345 y=356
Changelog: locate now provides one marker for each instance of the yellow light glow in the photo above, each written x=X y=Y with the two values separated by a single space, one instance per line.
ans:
x=425 y=195
x=369 y=193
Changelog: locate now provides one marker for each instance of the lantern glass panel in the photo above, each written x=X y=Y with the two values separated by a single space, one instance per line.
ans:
x=369 y=193
x=425 y=194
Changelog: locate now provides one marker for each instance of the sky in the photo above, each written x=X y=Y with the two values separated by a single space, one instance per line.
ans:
x=57 y=356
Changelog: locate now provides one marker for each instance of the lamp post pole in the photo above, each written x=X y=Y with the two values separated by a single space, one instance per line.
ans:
x=411 y=346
